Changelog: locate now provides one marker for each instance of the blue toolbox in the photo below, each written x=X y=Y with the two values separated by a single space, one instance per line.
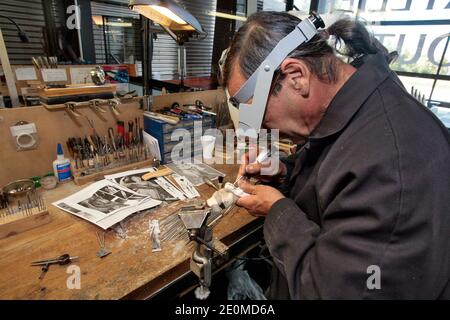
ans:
x=168 y=137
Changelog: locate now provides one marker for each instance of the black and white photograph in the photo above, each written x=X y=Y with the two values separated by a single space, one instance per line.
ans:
x=64 y=206
x=105 y=203
x=133 y=180
x=100 y=202
x=110 y=199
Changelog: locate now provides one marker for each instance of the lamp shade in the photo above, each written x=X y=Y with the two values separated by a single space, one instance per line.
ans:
x=168 y=14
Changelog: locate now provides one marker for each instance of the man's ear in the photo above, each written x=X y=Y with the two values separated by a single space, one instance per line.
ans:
x=297 y=75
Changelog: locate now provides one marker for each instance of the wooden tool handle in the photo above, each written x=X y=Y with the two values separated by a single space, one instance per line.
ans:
x=163 y=117
x=159 y=173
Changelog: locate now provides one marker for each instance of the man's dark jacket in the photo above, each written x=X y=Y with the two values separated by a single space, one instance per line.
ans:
x=370 y=189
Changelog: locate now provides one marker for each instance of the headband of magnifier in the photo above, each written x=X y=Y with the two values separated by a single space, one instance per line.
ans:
x=258 y=85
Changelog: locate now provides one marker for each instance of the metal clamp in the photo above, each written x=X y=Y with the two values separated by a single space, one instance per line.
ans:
x=96 y=103
x=71 y=109
x=114 y=104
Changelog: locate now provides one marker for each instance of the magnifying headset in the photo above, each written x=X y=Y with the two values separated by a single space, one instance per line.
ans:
x=259 y=84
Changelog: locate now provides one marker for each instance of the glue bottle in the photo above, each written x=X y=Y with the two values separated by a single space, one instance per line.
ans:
x=61 y=166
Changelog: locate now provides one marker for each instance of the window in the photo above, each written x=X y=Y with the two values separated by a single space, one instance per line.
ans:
x=420 y=47
x=302 y=5
x=442 y=91
x=121 y=42
x=327 y=6
x=274 y=5
x=417 y=30
x=422 y=85
x=241 y=8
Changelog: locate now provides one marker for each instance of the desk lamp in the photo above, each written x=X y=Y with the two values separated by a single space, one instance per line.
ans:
x=175 y=20
x=4 y=60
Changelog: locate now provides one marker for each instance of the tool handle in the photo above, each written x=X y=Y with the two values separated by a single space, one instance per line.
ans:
x=159 y=173
x=166 y=118
x=263 y=156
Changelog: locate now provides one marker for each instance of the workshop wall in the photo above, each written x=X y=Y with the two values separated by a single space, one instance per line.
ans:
x=52 y=127
x=56 y=127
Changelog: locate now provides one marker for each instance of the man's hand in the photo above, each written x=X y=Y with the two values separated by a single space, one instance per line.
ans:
x=269 y=171
x=260 y=200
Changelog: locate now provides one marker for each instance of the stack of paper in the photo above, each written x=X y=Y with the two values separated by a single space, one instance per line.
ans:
x=110 y=201
x=105 y=203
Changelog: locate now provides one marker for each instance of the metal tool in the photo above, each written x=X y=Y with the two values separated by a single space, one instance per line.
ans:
x=210 y=183
x=103 y=252
x=262 y=157
x=221 y=180
x=19 y=187
x=36 y=63
x=111 y=137
x=130 y=137
x=201 y=260
x=172 y=228
x=186 y=186
x=61 y=260
x=71 y=109
x=95 y=105
x=20 y=198
x=114 y=104
x=96 y=153
x=98 y=76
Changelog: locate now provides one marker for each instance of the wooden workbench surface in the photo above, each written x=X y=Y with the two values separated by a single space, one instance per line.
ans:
x=130 y=267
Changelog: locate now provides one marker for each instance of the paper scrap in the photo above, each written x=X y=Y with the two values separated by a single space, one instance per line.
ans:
x=54 y=75
x=28 y=73
x=80 y=75
x=105 y=203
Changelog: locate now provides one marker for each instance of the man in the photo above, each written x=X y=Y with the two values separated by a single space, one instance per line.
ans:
x=366 y=214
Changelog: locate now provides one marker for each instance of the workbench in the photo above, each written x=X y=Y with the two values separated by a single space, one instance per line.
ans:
x=132 y=271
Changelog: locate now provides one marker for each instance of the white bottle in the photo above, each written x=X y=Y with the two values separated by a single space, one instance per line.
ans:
x=61 y=166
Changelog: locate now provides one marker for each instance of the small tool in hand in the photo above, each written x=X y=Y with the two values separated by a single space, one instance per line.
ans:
x=61 y=260
x=221 y=180
x=263 y=156
x=210 y=183
x=103 y=252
